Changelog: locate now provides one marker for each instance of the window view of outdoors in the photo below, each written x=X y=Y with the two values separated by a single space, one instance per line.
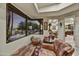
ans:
x=17 y=28
x=33 y=26
x=19 y=25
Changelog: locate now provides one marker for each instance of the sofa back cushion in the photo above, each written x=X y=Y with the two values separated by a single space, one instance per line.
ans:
x=60 y=47
x=35 y=41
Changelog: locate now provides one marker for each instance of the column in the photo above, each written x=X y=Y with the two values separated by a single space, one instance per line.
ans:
x=76 y=32
x=61 y=34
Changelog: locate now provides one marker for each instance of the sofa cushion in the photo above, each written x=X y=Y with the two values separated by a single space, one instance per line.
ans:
x=35 y=41
x=61 y=47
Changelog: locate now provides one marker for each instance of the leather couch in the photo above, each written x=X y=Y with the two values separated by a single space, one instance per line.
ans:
x=60 y=48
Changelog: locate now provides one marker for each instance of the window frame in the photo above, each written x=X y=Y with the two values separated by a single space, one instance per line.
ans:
x=13 y=9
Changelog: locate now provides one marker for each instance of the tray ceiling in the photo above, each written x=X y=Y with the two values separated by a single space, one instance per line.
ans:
x=49 y=7
x=43 y=5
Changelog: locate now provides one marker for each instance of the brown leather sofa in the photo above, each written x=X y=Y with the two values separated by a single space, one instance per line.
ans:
x=60 y=48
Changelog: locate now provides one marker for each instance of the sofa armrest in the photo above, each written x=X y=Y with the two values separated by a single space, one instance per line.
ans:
x=48 y=46
x=69 y=52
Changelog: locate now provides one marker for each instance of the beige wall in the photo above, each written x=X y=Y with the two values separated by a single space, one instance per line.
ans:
x=77 y=31
x=2 y=23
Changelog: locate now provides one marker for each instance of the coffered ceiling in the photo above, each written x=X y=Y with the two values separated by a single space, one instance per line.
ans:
x=43 y=5
x=49 y=7
x=41 y=10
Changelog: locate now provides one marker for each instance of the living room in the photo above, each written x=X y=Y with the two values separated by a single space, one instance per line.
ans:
x=25 y=23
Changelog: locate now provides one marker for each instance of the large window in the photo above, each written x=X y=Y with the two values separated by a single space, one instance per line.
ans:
x=34 y=26
x=16 y=25
x=19 y=25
